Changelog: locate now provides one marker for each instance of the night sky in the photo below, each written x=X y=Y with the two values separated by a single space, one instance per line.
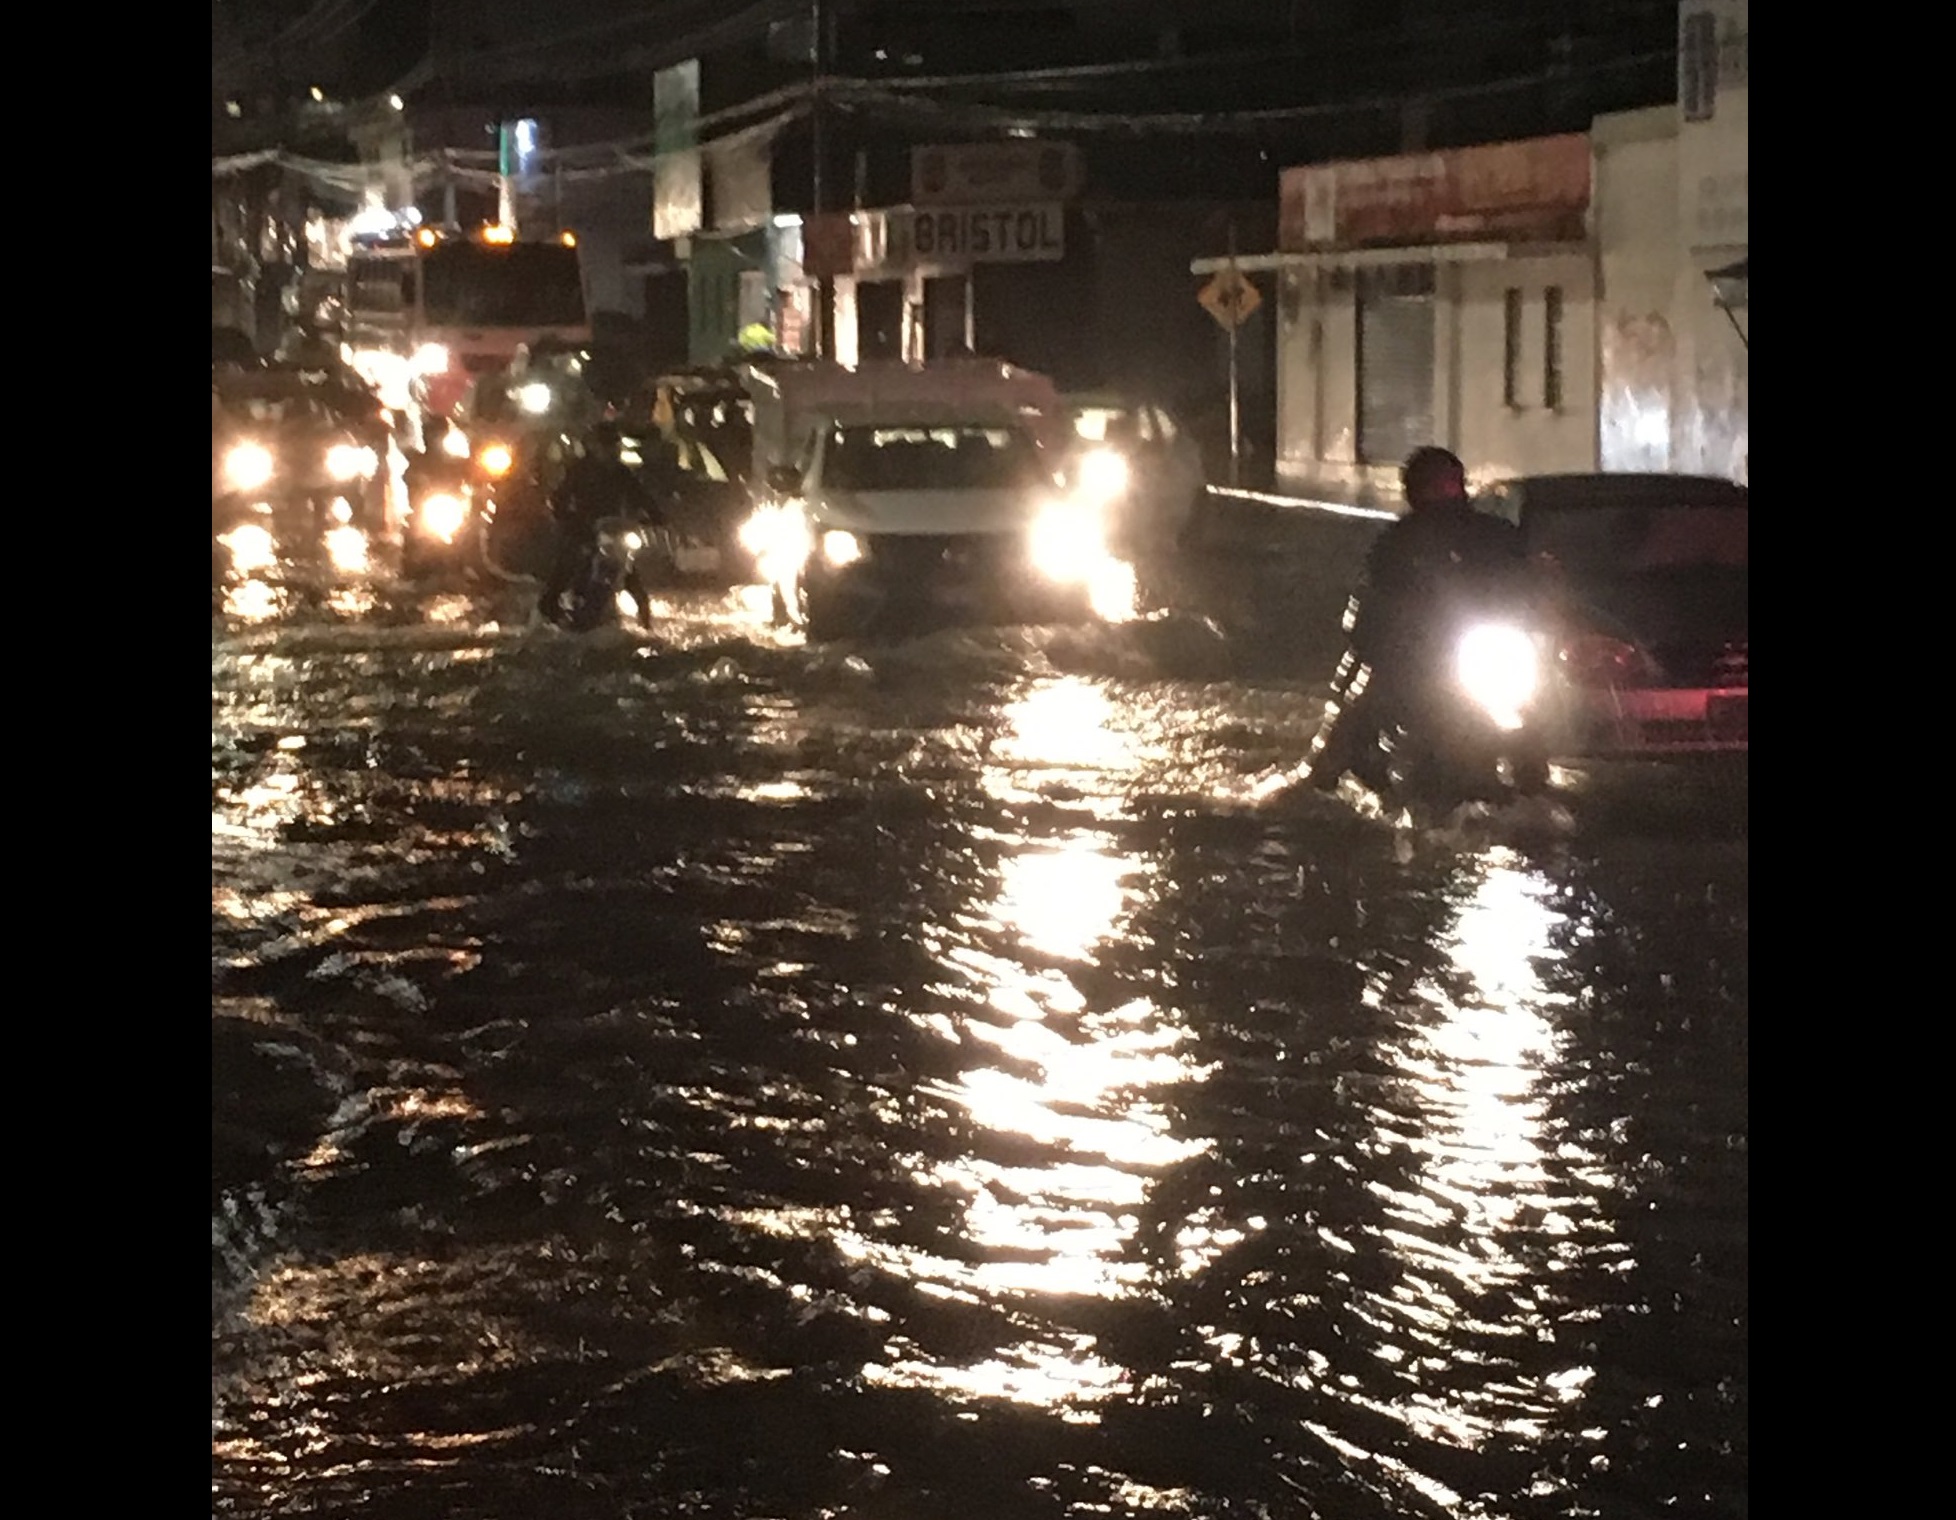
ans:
x=360 y=47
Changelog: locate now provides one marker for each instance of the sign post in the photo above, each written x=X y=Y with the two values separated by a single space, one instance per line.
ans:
x=1230 y=298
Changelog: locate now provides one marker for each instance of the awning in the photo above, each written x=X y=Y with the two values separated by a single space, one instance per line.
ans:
x=1362 y=258
x=1732 y=285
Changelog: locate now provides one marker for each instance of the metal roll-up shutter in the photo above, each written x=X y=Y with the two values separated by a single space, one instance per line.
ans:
x=1395 y=362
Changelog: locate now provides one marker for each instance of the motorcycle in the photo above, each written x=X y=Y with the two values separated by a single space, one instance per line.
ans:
x=624 y=553
x=1458 y=718
x=441 y=536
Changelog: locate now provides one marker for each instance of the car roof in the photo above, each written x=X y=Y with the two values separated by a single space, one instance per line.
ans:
x=1627 y=488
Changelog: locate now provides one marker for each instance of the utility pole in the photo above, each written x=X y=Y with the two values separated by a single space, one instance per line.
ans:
x=824 y=284
x=1235 y=431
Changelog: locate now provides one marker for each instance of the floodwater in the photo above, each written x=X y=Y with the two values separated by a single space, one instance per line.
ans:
x=706 y=1075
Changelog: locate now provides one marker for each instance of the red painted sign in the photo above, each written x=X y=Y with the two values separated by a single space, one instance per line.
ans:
x=1533 y=190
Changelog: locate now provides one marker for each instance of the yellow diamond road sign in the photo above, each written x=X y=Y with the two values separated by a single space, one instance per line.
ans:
x=1230 y=297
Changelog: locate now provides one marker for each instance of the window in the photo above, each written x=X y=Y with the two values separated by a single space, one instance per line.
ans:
x=1698 y=66
x=1511 y=355
x=1552 y=348
x=926 y=458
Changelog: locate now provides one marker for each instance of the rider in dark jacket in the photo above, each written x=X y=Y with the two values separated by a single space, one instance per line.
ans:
x=433 y=468
x=1441 y=550
x=598 y=484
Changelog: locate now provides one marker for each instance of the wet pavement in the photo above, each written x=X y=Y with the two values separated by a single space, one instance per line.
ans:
x=707 y=1075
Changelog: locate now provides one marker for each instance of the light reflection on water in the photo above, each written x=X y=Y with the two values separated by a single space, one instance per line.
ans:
x=1482 y=1196
x=990 y=1082
x=1056 y=1068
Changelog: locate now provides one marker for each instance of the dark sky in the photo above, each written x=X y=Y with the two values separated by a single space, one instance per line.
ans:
x=383 y=39
x=1104 y=70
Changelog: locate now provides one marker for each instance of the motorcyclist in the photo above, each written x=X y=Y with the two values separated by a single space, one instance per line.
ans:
x=1440 y=550
x=434 y=468
x=598 y=484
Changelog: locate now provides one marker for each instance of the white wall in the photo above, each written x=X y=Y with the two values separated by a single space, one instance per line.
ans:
x=1636 y=229
x=1317 y=402
x=1317 y=389
x=1528 y=438
x=1711 y=429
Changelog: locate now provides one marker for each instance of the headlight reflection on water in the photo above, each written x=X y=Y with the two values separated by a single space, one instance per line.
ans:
x=1484 y=1206
x=1060 y=1092
x=1053 y=1077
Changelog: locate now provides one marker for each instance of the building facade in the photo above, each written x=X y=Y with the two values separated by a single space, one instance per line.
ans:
x=1537 y=306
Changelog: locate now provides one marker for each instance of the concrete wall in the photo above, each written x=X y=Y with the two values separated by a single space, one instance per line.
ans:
x=1530 y=437
x=1636 y=225
x=1711 y=431
x=1317 y=375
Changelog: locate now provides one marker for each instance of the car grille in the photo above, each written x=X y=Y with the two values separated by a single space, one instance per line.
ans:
x=940 y=554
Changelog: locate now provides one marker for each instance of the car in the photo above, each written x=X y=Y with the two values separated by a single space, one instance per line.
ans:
x=900 y=517
x=1651 y=584
x=1138 y=460
x=282 y=444
x=705 y=503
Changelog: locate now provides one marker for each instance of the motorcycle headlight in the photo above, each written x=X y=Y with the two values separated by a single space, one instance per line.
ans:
x=351 y=461
x=534 y=398
x=1103 y=474
x=347 y=549
x=496 y=459
x=633 y=542
x=841 y=549
x=441 y=516
x=455 y=443
x=1499 y=668
x=342 y=510
x=429 y=359
x=248 y=466
x=1067 y=543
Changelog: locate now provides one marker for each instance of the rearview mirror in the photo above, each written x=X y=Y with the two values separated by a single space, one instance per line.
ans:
x=784 y=479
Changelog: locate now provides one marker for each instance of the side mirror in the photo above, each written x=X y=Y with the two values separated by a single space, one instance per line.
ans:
x=784 y=479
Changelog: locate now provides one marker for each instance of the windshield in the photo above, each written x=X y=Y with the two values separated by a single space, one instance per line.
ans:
x=1608 y=542
x=525 y=285
x=1103 y=424
x=933 y=459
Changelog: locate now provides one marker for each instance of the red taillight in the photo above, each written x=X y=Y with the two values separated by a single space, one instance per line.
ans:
x=1597 y=659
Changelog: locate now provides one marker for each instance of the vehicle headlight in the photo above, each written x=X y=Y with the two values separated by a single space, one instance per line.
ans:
x=429 y=359
x=351 y=461
x=633 y=542
x=1499 y=668
x=341 y=510
x=455 y=443
x=1067 y=543
x=841 y=549
x=1103 y=474
x=442 y=515
x=534 y=398
x=778 y=537
x=248 y=466
x=496 y=459
x=251 y=548
x=347 y=549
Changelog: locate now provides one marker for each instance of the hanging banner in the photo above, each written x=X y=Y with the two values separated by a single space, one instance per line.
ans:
x=677 y=203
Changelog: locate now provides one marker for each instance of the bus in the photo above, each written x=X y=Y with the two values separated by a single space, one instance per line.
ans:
x=429 y=311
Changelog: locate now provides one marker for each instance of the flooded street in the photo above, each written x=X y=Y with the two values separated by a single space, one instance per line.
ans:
x=701 y=1074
